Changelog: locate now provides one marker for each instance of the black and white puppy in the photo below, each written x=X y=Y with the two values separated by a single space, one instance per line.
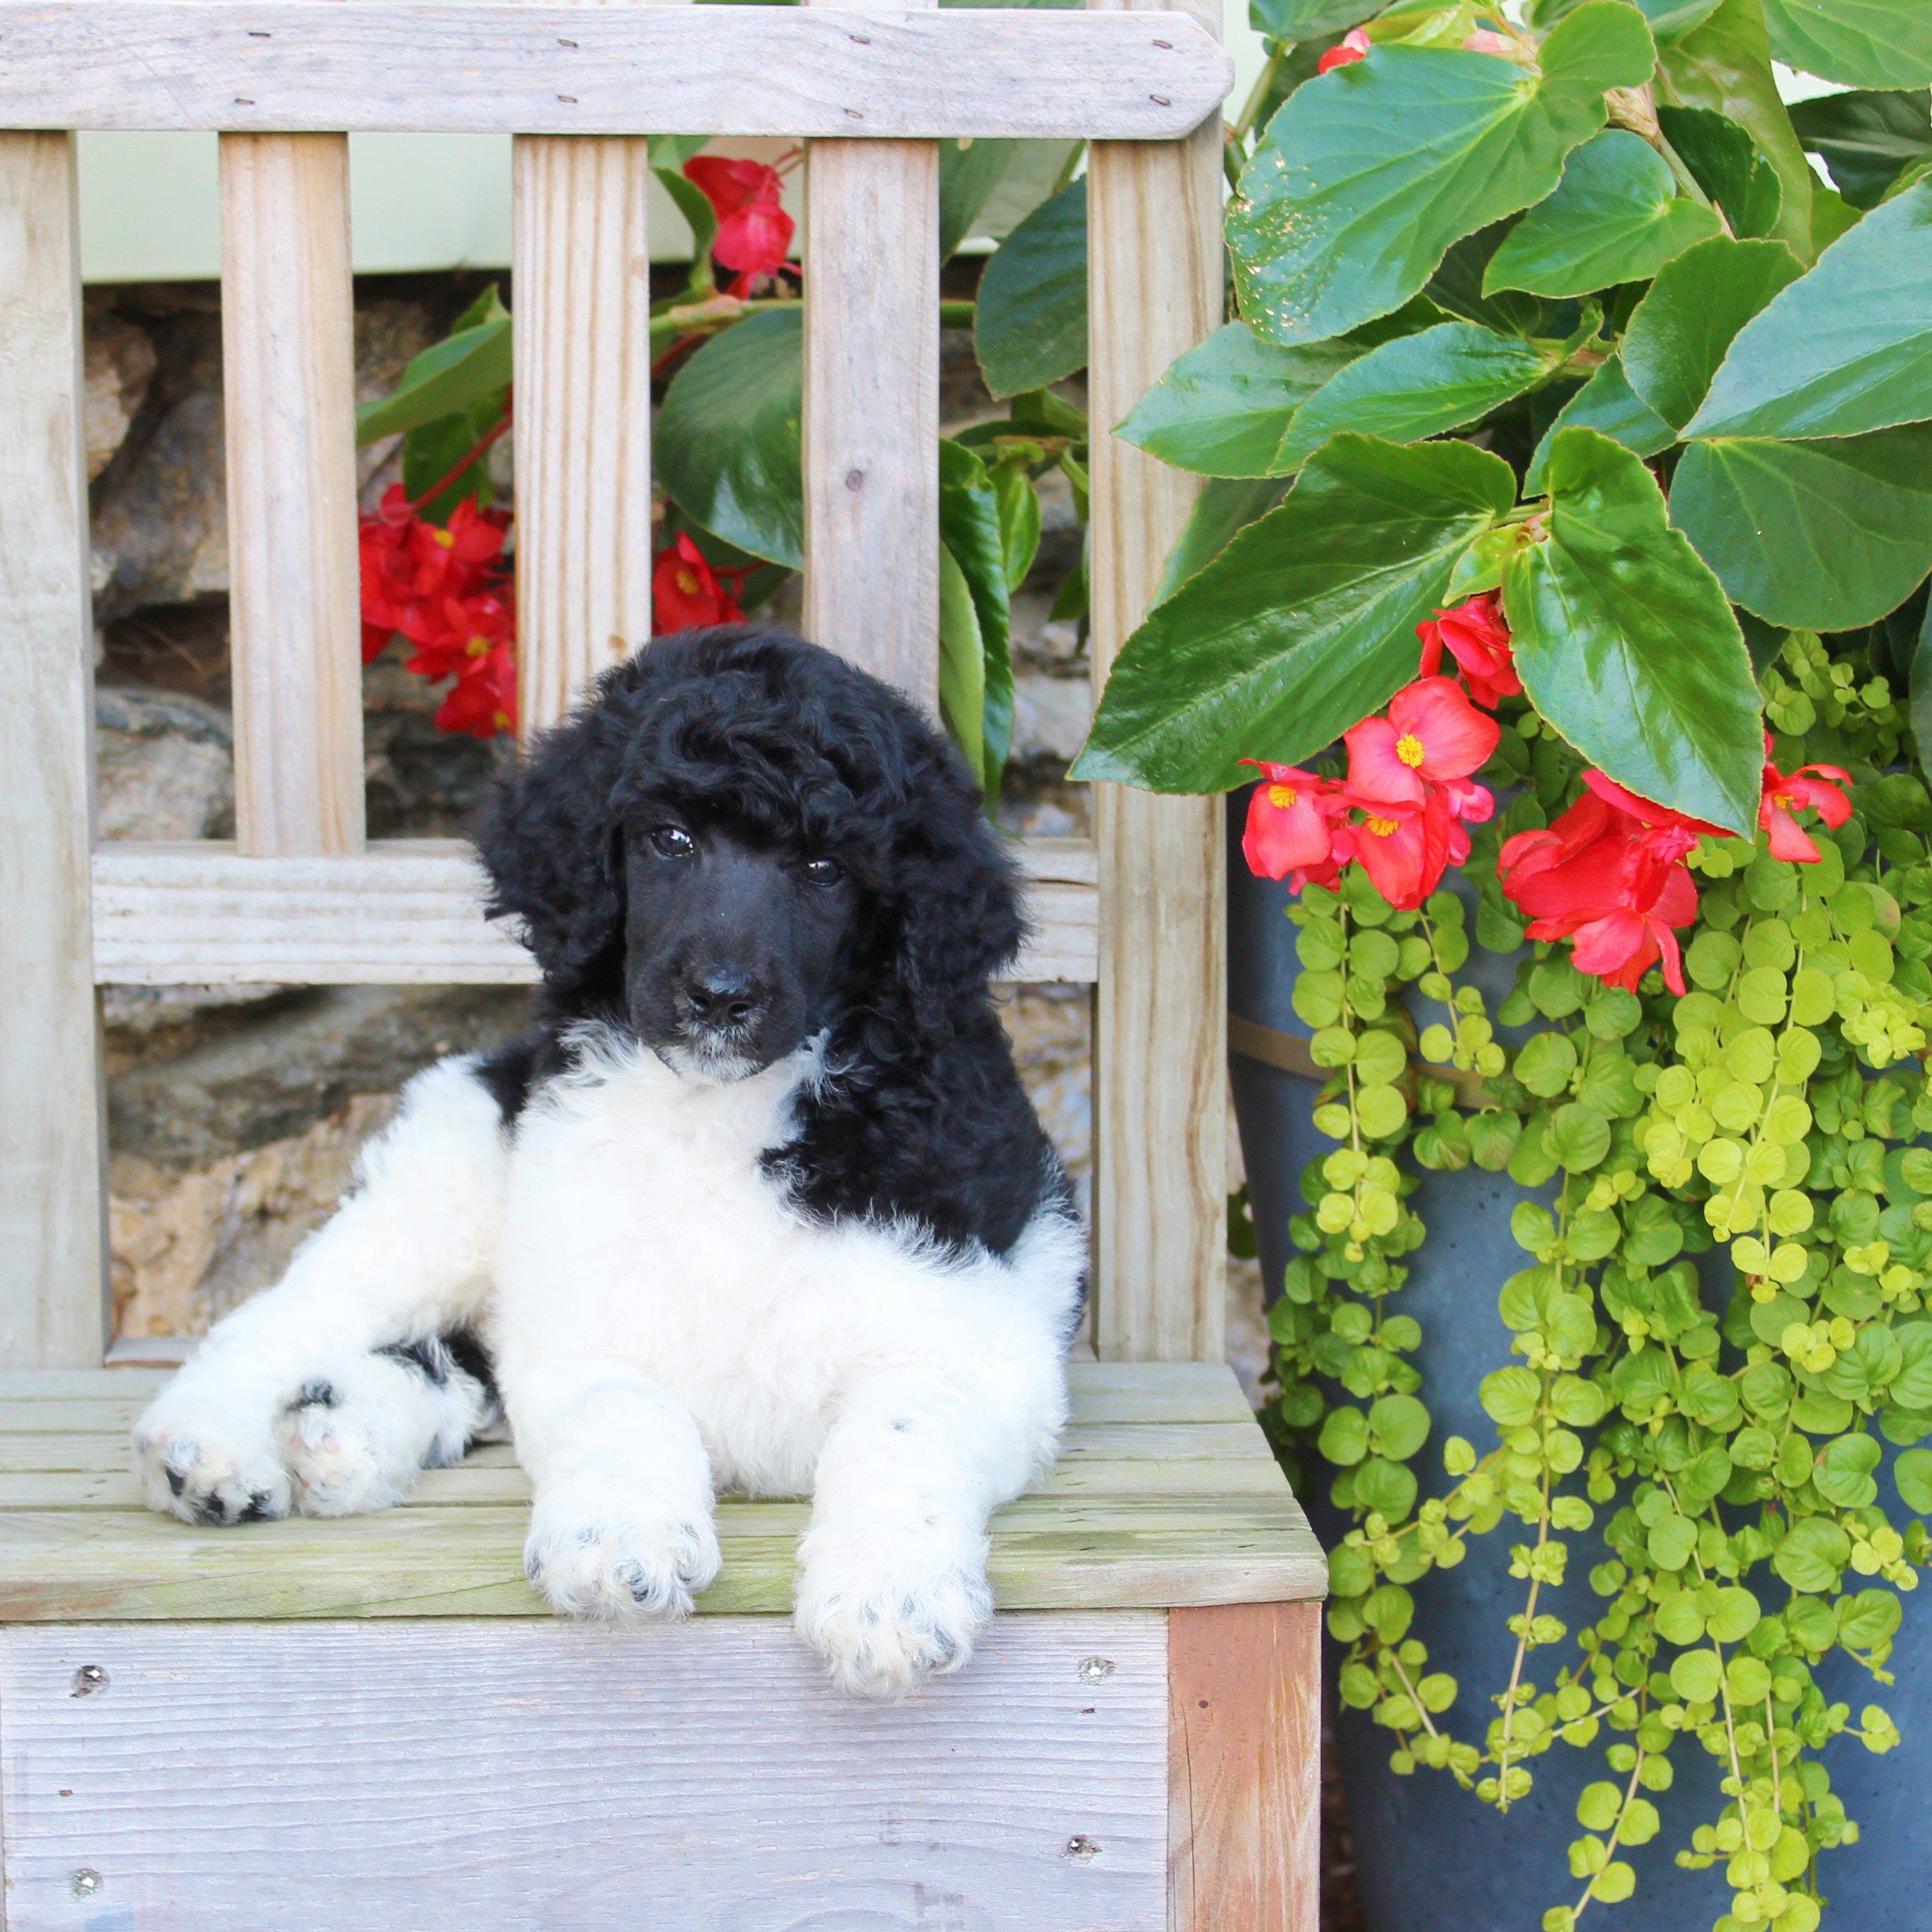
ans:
x=760 y=1205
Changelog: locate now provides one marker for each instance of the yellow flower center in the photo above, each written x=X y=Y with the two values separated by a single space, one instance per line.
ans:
x=1409 y=749
x=444 y=538
x=1282 y=796
x=502 y=720
x=1383 y=828
x=478 y=647
x=1784 y=800
x=687 y=582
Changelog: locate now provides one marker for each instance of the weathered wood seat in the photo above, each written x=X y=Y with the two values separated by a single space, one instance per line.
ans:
x=374 y=1722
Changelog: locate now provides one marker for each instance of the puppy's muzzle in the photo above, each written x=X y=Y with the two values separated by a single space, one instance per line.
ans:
x=720 y=1002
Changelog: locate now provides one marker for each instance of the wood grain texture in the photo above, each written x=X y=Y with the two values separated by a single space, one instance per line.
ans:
x=1244 y=1758
x=53 y=1247
x=409 y=912
x=224 y=1781
x=871 y=408
x=582 y=262
x=289 y=399
x=1138 y=1512
x=1160 y=1071
x=362 y=65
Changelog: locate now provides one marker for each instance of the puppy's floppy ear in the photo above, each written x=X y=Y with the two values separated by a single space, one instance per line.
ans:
x=550 y=842
x=961 y=921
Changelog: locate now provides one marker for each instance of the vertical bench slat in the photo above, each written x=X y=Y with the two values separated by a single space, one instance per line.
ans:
x=581 y=261
x=1160 y=1107
x=288 y=401
x=871 y=407
x=52 y=1233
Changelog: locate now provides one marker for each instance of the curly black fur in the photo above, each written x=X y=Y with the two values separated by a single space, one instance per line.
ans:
x=922 y=1118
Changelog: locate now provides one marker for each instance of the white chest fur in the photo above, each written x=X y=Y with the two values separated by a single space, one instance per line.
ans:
x=641 y=1229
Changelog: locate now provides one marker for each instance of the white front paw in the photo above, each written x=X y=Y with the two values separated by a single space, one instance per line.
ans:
x=205 y=1451
x=598 y=1548
x=886 y=1620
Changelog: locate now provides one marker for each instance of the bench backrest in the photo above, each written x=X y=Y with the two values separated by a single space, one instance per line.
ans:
x=298 y=896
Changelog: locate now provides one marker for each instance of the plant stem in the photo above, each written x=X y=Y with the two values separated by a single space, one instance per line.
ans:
x=443 y=482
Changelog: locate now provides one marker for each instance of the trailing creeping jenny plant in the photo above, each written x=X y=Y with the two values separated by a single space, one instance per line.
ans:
x=1569 y=525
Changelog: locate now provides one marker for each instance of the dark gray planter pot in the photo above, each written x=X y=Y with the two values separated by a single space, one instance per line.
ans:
x=1428 y=1855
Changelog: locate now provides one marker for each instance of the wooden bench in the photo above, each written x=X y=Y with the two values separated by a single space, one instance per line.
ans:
x=374 y=1722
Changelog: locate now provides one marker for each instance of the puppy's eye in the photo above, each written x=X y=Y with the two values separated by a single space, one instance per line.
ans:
x=673 y=841
x=823 y=872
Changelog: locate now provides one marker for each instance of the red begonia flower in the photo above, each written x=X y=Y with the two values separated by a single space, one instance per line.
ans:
x=483 y=700
x=1355 y=45
x=1478 y=638
x=754 y=231
x=1291 y=822
x=1432 y=732
x=1405 y=849
x=1669 y=834
x=1784 y=794
x=472 y=628
x=1618 y=944
x=685 y=593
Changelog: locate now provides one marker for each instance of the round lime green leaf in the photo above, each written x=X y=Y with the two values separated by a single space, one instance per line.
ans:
x=1846 y=349
x=1510 y=1396
x=1813 y=1553
x=1416 y=386
x=1579 y=1138
x=1843 y=1472
x=1912 y=1474
x=1695 y=1676
x=1400 y=1425
x=1615 y=217
x=1627 y=644
x=1344 y=1439
x=1303 y=625
x=1736 y=1615
x=1367 y=174
x=1222 y=409
x=1671 y=1539
x=1387 y=1488
x=727 y=439
x=1825 y=536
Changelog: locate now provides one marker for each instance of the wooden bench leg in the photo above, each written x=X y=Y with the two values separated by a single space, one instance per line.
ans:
x=1244 y=1768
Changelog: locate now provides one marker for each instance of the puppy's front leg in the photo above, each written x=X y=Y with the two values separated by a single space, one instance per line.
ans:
x=892 y=1572
x=621 y=1526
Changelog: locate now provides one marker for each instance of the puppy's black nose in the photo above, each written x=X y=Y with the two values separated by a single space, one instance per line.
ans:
x=718 y=997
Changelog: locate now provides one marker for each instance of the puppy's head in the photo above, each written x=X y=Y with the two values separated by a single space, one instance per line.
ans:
x=743 y=842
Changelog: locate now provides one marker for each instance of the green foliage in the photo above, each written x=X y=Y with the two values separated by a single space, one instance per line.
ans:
x=1860 y=43
x=1336 y=223
x=1615 y=217
x=1302 y=624
x=728 y=436
x=1625 y=642
x=1032 y=325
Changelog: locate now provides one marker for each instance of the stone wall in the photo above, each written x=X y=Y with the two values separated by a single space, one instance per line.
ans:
x=235 y=1112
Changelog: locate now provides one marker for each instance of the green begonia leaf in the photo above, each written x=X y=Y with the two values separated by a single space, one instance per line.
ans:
x=1682 y=329
x=1222 y=408
x=1815 y=536
x=1308 y=19
x=962 y=664
x=1725 y=165
x=1414 y=387
x=452 y=375
x=1858 y=43
x=1608 y=404
x=1303 y=625
x=1864 y=138
x=1615 y=217
x=694 y=204
x=1225 y=506
x=1031 y=325
x=1626 y=642
x=727 y=445
x=1670 y=18
x=1846 y=349
x=1368 y=173
x=1724 y=65
x=971 y=531
x=1457 y=285
x=968 y=173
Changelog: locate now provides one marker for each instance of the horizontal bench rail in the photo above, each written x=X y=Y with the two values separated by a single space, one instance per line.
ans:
x=409 y=912
x=364 y=66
